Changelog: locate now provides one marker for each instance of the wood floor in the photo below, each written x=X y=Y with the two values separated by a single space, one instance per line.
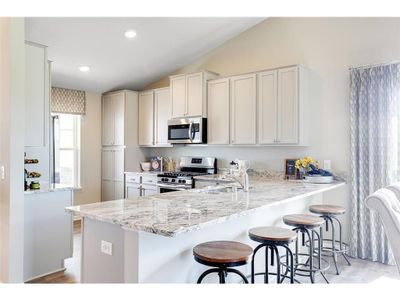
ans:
x=361 y=271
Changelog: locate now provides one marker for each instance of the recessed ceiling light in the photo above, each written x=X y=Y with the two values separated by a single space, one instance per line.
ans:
x=84 y=68
x=130 y=34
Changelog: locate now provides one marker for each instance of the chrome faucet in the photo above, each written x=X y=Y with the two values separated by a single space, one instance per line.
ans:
x=241 y=177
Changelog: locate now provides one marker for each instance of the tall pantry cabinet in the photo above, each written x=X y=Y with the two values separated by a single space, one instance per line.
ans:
x=120 y=151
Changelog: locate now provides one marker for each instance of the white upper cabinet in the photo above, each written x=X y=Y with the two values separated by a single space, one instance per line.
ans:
x=282 y=96
x=113 y=130
x=178 y=96
x=243 y=109
x=146 y=118
x=154 y=113
x=162 y=114
x=288 y=106
x=189 y=94
x=194 y=95
x=218 y=111
x=108 y=120
x=37 y=93
x=119 y=119
x=267 y=106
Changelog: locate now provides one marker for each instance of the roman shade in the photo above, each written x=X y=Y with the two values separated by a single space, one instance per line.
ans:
x=68 y=101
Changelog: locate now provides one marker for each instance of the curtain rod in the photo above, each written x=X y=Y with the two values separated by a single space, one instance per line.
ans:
x=376 y=64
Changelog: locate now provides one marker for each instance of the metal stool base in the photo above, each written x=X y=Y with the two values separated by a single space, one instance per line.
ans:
x=222 y=273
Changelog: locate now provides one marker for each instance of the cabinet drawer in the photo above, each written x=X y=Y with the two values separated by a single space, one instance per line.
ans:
x=132 y=179
x=151 y=180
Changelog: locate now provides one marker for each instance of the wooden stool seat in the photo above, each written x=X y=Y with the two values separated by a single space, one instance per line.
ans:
x=327 y=209
x=309 y=221
x=272 y=234
x=228 y=253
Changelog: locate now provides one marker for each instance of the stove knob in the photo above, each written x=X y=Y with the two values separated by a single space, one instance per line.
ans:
x=183 y=181
x=173 y=180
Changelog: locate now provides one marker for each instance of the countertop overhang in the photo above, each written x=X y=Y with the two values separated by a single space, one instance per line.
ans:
x=170 y=214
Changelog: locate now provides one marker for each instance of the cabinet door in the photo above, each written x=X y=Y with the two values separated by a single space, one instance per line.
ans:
x=218 y=112
x=243 y=109
x=119 y=118
x=118 y=190
x=267 y=107
x=149 y=190
x=162 y=115
x=132 y=191
x=107 y=190
x=288 y=112
x=107 y=164
x=36 y=95
x=146 y=118
x=178 y=96
x=119 y=163
x=108 y=121
x=194 y=95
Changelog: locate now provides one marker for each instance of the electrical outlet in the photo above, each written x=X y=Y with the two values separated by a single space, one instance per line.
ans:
x=327 y=164
x=3 y=172
x=106 y=247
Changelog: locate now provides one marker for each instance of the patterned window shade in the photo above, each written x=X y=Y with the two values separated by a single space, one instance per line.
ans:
x=68 y=101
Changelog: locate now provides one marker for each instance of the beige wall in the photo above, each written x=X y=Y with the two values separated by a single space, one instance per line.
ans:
x=90 y=152
x=328 y=47
x=12 y=138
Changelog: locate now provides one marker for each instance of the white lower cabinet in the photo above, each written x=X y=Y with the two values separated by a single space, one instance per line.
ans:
x=148 y=190
x=112 y=173
x=132 y=191
x=140 y=185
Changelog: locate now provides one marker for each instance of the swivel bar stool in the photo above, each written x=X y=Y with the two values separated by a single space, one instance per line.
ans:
x=271 y=238
x=307 y=225
x=332 y=245
x=222 y=255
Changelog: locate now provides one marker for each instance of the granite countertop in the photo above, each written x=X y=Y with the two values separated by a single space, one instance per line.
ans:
x=48 y=188
x=170 y=214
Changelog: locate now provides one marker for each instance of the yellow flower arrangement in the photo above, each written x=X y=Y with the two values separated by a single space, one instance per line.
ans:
x=305 y=162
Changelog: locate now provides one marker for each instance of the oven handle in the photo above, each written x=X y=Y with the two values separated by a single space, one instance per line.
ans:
x=190 y=132
x=173 y=187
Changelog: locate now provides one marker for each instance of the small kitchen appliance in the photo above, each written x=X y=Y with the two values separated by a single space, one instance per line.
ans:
x=187 y=131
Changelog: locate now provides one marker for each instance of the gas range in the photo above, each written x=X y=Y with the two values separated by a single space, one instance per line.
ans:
x=183 y=179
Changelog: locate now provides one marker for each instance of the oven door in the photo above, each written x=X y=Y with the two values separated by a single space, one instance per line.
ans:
x=187 y=131
x=166 y=188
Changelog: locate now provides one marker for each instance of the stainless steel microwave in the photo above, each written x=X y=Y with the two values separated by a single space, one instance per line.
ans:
x=187 y=131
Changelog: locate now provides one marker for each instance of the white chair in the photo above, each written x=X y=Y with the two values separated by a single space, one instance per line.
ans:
x=395 y=188
x=386 y=204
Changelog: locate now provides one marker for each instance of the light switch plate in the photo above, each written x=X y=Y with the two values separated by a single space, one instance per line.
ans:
x=106 y=247
x=3 y=172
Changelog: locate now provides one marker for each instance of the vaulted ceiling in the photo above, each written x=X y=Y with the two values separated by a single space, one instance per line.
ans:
x=161 y=46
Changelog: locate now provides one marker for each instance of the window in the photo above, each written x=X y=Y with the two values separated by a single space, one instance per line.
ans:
x=67 y=140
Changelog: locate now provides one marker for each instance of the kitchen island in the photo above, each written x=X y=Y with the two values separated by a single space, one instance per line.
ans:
x=152 y=237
